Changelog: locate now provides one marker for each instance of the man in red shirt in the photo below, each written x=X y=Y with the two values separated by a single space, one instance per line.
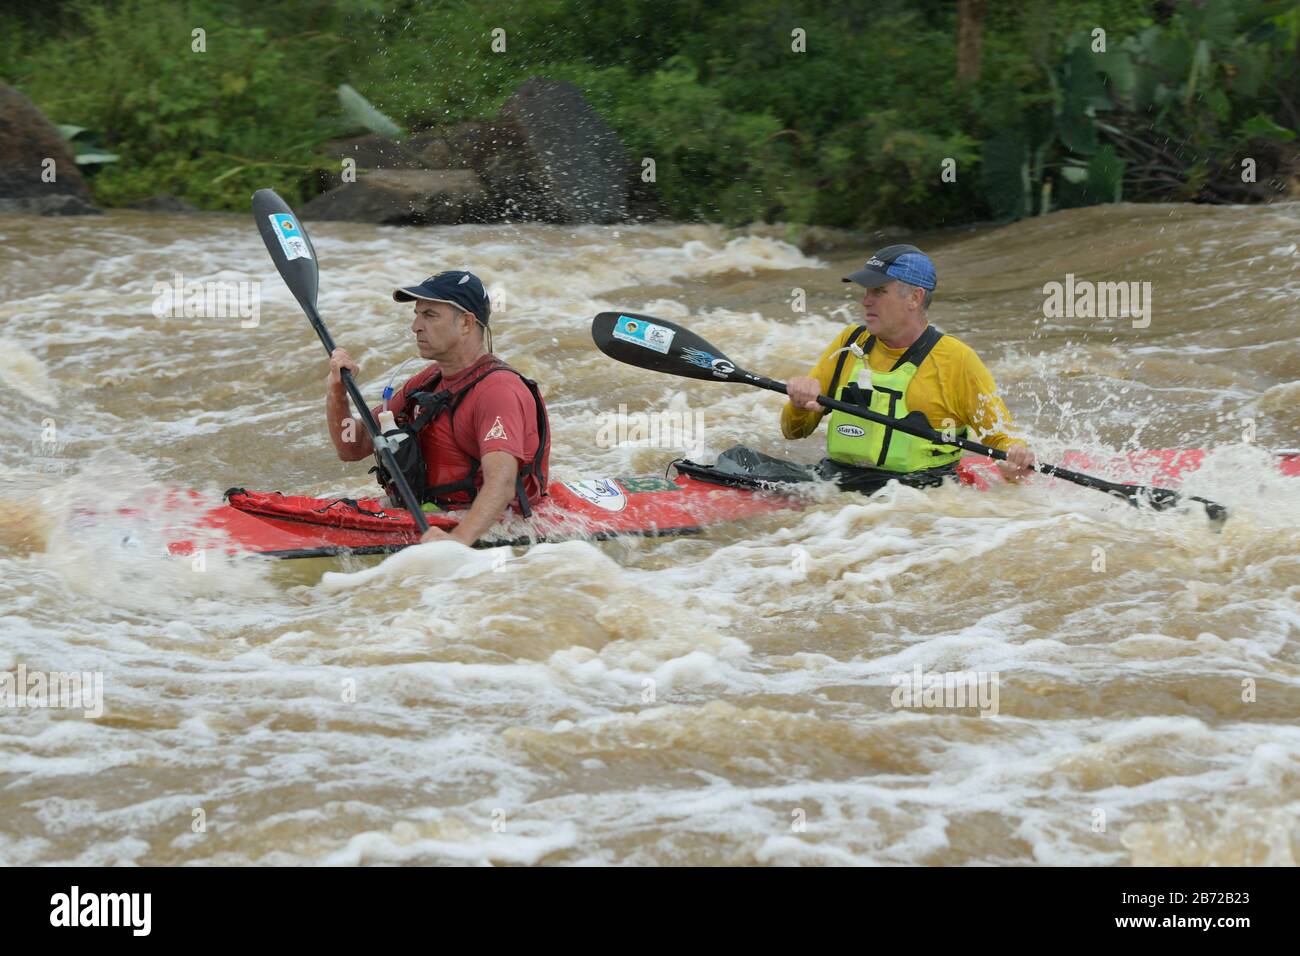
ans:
x=481 y=427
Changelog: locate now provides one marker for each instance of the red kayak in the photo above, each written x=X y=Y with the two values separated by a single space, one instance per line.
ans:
x=294 y=526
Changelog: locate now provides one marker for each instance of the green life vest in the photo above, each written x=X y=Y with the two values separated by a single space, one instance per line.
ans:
x=851 y=440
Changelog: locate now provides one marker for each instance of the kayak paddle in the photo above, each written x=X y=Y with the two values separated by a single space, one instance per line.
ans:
x=295 y=258
x=663 y=346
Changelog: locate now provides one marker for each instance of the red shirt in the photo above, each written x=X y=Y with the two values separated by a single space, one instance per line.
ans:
x=497 y=414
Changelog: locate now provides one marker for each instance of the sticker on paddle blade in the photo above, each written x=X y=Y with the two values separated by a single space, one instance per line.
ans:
x=643 y=333
x=601 y=492
x=290 y=236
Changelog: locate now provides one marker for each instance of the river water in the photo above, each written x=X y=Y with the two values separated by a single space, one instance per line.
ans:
x=727 y=698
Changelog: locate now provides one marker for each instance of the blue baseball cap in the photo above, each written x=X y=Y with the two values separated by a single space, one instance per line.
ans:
x=455 y=287
x=902 y=262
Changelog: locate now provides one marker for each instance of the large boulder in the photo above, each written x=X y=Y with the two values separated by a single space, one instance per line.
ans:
x=424 y=151
x=402 y=197
x=498 y=155
x=27 y=140
x=578 y=165
x=547 y=157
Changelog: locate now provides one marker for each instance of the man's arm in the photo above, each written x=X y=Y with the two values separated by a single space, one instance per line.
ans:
x=987 y=415
x=350 y=438
x=499 y=471
x=799 y=422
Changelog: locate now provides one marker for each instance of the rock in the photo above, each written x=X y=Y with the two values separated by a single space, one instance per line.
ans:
x=577 y=165
x=812 y=240
x=163 y=202
x=428 y=151
x=549 y=157
x=473 y=145
x=435 y=153
x=56 y=204
x=27 y=140
x=497 y=155
x=374 y=152
x=403 y=196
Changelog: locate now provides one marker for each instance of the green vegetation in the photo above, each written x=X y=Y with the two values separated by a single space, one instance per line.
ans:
x=852 y=132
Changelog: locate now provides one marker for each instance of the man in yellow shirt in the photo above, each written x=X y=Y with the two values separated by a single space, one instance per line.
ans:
x=897 y=364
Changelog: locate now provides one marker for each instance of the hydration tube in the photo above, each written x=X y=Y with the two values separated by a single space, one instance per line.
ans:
x=388 y=389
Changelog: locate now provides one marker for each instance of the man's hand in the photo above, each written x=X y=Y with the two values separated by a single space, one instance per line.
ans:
x=803 y=392
x=435 y=534
x=351 y=441
x=1017 y=465
x=339 y=359
x=499 y=469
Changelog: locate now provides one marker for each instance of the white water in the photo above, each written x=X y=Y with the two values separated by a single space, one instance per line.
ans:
x=500 y=711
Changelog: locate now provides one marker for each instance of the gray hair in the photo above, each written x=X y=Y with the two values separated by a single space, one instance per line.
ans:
x=907 y=288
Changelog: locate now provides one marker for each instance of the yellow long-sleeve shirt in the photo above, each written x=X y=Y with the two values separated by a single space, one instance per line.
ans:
x=951 y=385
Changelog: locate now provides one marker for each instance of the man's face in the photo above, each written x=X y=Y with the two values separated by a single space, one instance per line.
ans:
x=438 y=328
x=888 y=309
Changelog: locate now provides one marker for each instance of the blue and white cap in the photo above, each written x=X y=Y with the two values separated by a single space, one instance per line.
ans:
x=902 y=262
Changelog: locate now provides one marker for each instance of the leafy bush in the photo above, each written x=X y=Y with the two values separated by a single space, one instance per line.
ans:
x=855 y=131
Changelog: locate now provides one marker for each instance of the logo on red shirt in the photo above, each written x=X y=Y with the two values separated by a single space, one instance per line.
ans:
x=496 y=432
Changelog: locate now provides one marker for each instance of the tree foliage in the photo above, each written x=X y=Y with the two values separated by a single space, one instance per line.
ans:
x=855 y=129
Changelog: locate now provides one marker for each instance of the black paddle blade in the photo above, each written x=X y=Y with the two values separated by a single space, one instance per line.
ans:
x=661 y=346
x=1162 y=499
x=289 y=245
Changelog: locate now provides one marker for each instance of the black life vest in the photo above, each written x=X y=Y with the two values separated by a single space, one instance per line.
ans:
x=421 y=409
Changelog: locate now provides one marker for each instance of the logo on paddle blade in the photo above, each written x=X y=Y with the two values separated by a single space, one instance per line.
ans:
x=720 y=367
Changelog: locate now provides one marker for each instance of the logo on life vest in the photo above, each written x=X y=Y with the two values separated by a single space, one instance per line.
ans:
x=497 y=432
x=602 y=492
x=851 y=431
